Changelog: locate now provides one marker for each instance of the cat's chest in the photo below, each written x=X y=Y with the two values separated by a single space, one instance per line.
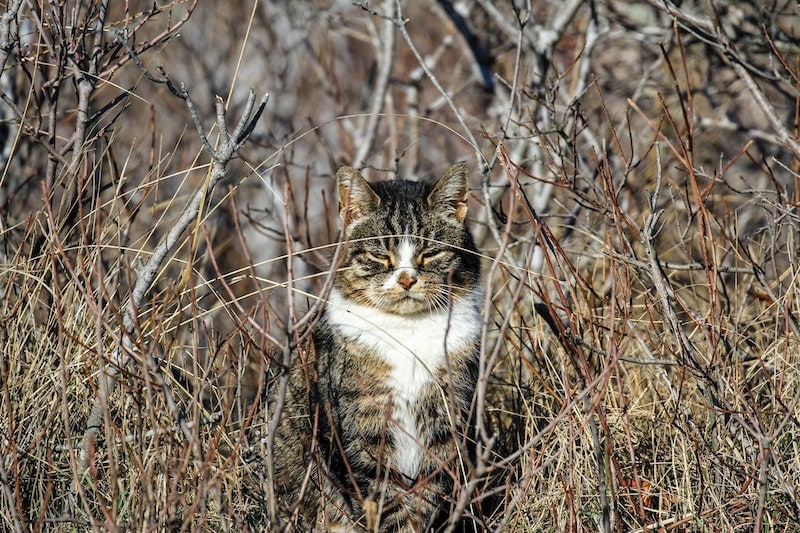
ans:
x=414 y=348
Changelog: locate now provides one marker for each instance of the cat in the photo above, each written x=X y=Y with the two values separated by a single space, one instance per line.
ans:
x=371 y=421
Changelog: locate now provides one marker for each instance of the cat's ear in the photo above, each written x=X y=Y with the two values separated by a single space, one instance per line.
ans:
x=449 y=195
x=356 y=197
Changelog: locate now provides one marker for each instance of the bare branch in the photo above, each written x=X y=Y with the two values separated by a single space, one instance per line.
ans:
x=146 y=274
x=385 y=50
x=8 y=38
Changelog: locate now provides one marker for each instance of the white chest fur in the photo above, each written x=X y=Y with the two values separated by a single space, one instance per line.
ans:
x=414 y=346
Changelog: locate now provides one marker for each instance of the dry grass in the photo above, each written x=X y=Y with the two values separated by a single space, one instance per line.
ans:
x=635 y=201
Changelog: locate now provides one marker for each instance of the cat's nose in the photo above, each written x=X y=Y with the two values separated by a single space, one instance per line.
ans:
x=407 y=279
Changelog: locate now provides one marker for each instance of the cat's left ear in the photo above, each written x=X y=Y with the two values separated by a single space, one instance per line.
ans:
x=449 y=195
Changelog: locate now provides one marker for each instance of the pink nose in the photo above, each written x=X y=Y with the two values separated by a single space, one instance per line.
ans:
x=406 y=280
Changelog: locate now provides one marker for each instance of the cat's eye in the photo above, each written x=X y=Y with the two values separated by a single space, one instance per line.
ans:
x=379 y=258
x=431 y=256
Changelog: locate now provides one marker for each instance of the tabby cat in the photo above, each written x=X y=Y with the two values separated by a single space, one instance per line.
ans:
x=390 y=374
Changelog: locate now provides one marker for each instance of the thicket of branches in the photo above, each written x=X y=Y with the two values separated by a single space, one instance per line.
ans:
x=165 y=229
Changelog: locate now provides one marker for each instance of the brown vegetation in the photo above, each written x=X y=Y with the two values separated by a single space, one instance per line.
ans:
x=635 y=195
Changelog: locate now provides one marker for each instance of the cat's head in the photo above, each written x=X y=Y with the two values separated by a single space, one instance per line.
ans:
x=408 y=248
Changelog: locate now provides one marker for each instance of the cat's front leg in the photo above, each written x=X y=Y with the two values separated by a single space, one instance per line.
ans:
x=335 y=512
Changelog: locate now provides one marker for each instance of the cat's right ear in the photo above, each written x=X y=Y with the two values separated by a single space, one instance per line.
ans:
x=356 y=197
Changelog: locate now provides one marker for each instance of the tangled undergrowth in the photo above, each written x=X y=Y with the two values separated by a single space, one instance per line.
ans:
x=635 y=200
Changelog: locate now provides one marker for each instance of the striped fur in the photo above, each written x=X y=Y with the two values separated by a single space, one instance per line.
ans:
x=396 y=359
